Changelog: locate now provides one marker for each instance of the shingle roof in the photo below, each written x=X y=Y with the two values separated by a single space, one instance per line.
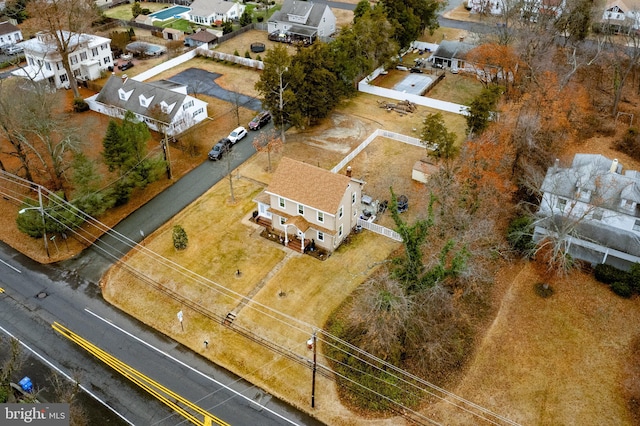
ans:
x=300 y=8
x=109 y=96
x=452 y=49
x=309 y=185
x=7 y=27
x=593 y=172
x=210 y=7
x=203 y=37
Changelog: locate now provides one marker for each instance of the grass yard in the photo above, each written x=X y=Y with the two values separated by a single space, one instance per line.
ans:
x=302 y=289
x=555 y=361
x=456 y=88
x=123 y=11
x=177 y=24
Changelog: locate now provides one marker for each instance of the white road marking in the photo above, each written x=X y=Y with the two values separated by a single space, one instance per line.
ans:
x=190 y=368
x=12 y=267
x=46 y=361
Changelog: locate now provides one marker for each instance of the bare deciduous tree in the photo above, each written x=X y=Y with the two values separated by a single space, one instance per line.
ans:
x=268 y=142
x=66 y=22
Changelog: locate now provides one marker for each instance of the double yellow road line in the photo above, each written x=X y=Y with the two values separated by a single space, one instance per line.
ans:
x=180 y=405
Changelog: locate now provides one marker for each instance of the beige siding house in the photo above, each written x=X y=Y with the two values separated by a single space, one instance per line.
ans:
x=310 y=206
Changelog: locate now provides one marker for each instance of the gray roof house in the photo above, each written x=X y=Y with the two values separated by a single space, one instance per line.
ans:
x=595 y=208
x=89 y=57
x=302 y=20
x=9 y=34
x=214 y=12
x=452 y=54
x=163 y=105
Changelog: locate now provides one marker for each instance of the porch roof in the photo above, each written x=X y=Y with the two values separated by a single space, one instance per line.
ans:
x=293 y=221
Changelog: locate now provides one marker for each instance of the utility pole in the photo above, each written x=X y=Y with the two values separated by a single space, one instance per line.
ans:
x=311 y=344
x=44 y=223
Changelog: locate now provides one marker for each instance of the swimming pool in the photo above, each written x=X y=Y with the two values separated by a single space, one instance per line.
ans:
x=164 y=14
x=148 y=49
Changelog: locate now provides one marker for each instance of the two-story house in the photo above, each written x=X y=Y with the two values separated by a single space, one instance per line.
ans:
x=310 y=204
x=486 y=7
x=621 y=16
x=89 y=57
x=594 y=208
x=163 y=105
x=9 y=34
x=302 y=20
x=214 y=12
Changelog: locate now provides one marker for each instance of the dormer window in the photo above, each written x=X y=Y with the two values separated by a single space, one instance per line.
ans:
x=561 y=204
x=627 y=204
x=166 y=108
x=144 y=101
x=124 y=95
x=583 y=194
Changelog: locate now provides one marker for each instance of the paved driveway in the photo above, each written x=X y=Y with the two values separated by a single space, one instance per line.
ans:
x=201 y=81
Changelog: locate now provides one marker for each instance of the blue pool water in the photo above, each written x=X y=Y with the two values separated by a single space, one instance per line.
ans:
x=165 y=14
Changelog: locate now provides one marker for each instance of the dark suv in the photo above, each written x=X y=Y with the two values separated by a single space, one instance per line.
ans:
x=125 y=66
x=260 y=120
x=219 y=149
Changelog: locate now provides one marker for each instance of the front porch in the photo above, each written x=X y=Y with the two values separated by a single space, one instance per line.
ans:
x=293 y=242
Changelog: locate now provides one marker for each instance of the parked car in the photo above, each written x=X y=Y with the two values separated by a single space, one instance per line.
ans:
x=13 y=50
x=219 y=149
x=260 y=120
x=416 y=69
x=125 y=66
x=237 y=135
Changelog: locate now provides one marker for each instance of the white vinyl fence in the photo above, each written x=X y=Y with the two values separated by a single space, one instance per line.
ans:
x=379 y=229
x=378 y=132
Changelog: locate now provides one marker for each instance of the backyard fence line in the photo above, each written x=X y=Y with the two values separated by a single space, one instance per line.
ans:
x=379 y=229
x=165 y=66
x=376 y=133
x=364 y=86
x=214 y=54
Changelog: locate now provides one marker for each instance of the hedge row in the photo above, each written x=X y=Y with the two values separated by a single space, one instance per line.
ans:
x=622 y=283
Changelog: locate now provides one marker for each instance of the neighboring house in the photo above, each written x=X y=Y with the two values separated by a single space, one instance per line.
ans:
x=90 y=56
x=214 y=12
x=595 y=208
x=486 y=7
x=202 y=38
x=302 y=20
x=529 y=9
x=622 y=16
x=310 y=205
x=9 y=34
x=452 y=54
x=535 y=10
x=163 y=105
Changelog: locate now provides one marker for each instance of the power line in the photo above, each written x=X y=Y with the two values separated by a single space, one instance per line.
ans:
x=98 y=241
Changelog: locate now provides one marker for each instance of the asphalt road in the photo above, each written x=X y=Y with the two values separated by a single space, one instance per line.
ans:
x=35 y=296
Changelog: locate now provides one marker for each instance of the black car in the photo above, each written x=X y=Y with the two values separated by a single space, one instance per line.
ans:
x=260 y=120
x=416 y=69
x=219 y=149
x=125 y=66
